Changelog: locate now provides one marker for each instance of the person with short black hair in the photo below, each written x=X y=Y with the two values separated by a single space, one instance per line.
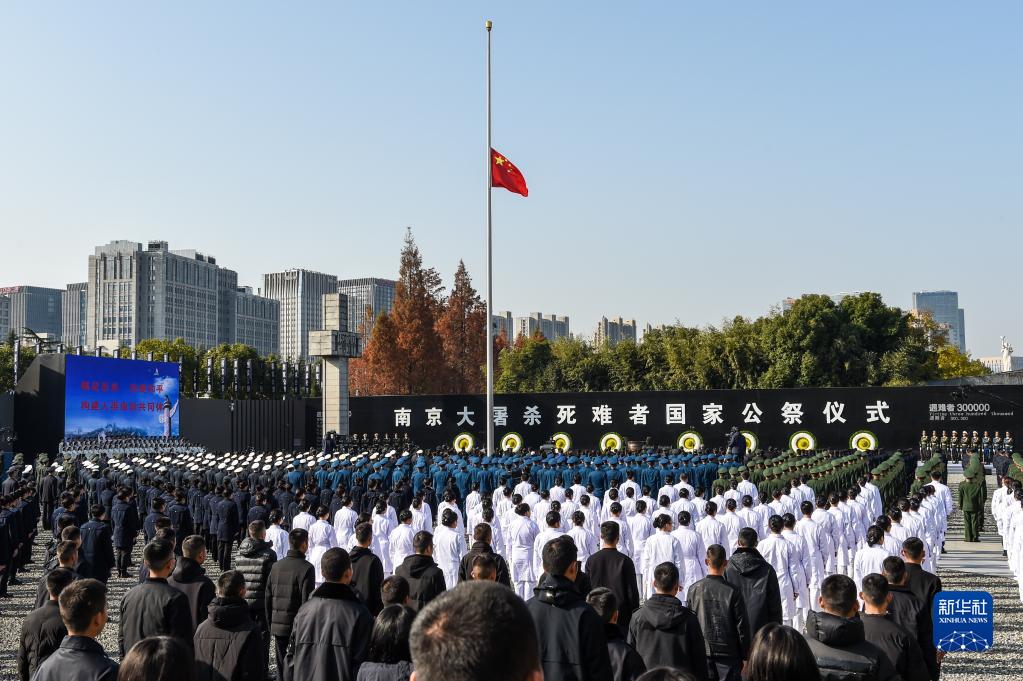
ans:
x=367 y=569
x=572 y=642
x=836 y=637
x=902 y=650
x=289 y=585
x=626 y=663
x=464 y=635
x=721 y=611
x=158 y=658
x=665 y=632
x=394 y=591
x=756 y=579
x=389 y=657
x=425 y=579
x=909 y=612
x=154 y=608
x=97 y=547
x=481 y=547
x=80 y=657
x=189 y=577
x=67 y=557
x=256 y=557
x=229 y=644
x=332 y=630
x=925 y=585
x=43 y=629
x=611 y=568
x=780 y=653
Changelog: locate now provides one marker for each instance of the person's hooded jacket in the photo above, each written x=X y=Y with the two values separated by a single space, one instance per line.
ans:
x=367 y=577
x=331 y=635
x=756 y=579
x=425 y=579
x=189 y=577
x=255 y=559
x=626 y=663
x=229 y=645
x=289 y=586
x=570 y=633
x=842 y=652
x=667 y=634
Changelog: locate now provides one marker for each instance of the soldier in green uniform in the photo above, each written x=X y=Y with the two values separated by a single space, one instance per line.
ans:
x=971 y=503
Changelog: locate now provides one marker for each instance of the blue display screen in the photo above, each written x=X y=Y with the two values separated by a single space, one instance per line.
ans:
x=104 y=395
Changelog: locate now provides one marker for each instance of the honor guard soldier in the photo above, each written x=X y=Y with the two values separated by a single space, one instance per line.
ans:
x=1007 y=444
x=944 y=443
x=924 y=443
x=953 y=447
x=996 y=443
x=985 y=444
x=934 y=442
x=964 y=442
x=975 y=443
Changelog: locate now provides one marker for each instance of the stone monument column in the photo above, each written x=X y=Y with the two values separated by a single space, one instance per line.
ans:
x=335 y=345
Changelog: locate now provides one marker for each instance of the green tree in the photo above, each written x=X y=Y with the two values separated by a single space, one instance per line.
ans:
x=955 y=364
x=25 y=357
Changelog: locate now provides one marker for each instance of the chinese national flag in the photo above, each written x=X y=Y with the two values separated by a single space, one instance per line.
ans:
x=503 y=173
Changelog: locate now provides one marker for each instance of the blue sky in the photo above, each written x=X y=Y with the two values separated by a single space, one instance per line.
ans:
x=686 y=161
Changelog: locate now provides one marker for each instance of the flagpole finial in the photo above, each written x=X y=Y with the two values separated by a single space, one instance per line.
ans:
x=489 y=24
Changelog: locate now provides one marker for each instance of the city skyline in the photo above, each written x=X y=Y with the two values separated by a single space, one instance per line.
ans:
x=659 y=143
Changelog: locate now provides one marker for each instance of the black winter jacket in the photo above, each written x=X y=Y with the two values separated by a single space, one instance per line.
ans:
x=755 y=578
x=331 y=635
x=78 y=658
x=913 y=615
x=842 y=652
x=288 y=587
x=425 y=579
x=570 y=633
x=190 y=579
x=626 y=663
x=478 y=547
x=229 y=644
x=902 y=649
x=153 y=608
x=254 y=560
x=667 y=634
x=41 y=634
x=721 y=611
x=367 y=576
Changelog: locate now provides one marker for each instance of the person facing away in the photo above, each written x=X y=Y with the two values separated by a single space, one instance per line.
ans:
x=756 y=579
x=667 y=633
x=836 y=637
x=389 y=658
x=611 y=568
x=424 y=577
x=909 y=612
x=626 y=663
x=478 y=630
x=902 y=650
x=721 y=611
x=229 y=644
x=570 y=633
x=189 y=577
x=367 y=569
x=482 y=536
x=331 y=634
x=158 y=658
x=80 y=657
x=154 y=608
x=43 y=628
x=256 y=557
x=780 y=653
x=289 y=585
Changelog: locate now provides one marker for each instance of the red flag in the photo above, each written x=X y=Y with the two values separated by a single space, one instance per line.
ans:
x=503 y=173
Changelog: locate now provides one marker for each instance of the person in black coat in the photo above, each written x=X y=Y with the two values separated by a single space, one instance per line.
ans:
x=626 y=663
x=923 y=584
x=149 y=523
x=181 y=519
x=255 y=559
x=229 y=645
x=125 y=520
x=367 y=569
x=332 y=629
x=290 y=583
x=67 y=557
x=189 y=577
x=482 y=537
x=571 y=637
x=425 y=579
x=902 y=650
x=154 y=608
x=721 y=611
x=49 y=493
x=80 y=657
x=755 y=578
x=43 y=629
x=611 y=568
x=227 y=529
x=97 y=544
x=910 y=612
x=666 y=633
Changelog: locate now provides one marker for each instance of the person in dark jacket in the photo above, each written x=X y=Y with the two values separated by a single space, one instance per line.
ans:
x=614 y=570
x=229 y=644
x=910 y=613
x=290 y=583
x=181 y=519
x=425 y=579
x=332 y=629
x=721 y=611
x=367 y=570
x=923 y=584
x=67 y=556
x=389 y=657
x=256 y=557
x=482 y=537
x=154 y=608
x=902 y=650
x=80 y=657
x=49 y=492
x=756 y=580
x=125 y=520
x=226 y=511
x=666 y=633
x=189 y=577
x=836 y=638
x=569 y=631
x=43 y=628
x=149 y=523
x=626 y=663
x=97 y=544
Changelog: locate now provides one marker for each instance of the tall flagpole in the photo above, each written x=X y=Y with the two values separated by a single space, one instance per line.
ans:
x=490 y=268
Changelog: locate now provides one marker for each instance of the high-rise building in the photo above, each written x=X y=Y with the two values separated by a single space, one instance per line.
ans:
x=35 y=308
x=613 y=331
x=74 y=313
x=257 y=321
x=943 y=307
x=503 y=323
x=300 y=293
x=552 y=326
x=377 y=294
x=5 y=317
x=135 y=294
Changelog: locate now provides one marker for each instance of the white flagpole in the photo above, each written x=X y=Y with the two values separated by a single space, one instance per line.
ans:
x=490 y=269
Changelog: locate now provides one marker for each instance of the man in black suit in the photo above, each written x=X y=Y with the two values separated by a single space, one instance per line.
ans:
x=612 y=569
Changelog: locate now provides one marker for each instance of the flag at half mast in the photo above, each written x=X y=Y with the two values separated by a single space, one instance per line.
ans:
x=503 y=173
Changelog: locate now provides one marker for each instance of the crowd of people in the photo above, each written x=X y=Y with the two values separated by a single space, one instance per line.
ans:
x=367 y=567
